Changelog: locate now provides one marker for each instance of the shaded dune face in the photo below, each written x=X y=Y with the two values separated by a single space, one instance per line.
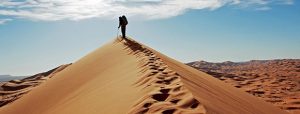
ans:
x=128 y=77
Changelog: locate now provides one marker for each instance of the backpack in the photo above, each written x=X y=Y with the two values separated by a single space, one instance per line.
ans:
x=125 y=20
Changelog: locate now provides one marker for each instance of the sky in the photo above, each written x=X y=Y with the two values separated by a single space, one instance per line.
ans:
x=38 y=35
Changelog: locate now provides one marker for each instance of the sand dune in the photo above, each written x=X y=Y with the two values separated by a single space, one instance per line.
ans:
x=275 y=81
x=5 y=78
x=15 y=89
x=125 y=76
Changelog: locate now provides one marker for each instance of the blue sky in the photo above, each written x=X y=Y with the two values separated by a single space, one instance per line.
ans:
x=38 y=36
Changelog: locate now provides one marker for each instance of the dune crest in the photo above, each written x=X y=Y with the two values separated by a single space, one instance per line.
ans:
x=125 y=76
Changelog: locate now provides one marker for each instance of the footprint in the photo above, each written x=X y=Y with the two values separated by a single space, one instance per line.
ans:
x=161 y=69
x=160 y=97
x=152 y=65
x=159 y=82
x=154 y=72
x=175 y=101
x=165 y=73
x=165 y=91
x=168 y=81
x=153 y=56
x=195 y=104
x=150 y=62
x=146 y=105
x=153 y=68
x=169 y=111
x=177 y=89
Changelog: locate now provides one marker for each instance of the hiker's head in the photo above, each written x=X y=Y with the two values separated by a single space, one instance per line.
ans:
x=123 y=16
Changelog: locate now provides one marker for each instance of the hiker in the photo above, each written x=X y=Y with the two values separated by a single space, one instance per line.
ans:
x=122 y=23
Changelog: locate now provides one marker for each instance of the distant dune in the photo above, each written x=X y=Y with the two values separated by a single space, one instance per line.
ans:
x=125 y=76
x=275 y=81
x=18 y=86
x=4 y=78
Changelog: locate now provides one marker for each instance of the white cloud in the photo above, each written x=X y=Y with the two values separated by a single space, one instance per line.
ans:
x=52 y=10
x=3 y=21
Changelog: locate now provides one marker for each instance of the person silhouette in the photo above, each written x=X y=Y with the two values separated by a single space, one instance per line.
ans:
x=122 y=23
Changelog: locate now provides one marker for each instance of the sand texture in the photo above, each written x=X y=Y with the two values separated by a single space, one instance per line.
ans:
x=275 y=81
x=15 y=89
x=125 y=76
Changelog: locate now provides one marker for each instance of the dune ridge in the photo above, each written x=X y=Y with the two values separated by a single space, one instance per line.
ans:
x=125 y=76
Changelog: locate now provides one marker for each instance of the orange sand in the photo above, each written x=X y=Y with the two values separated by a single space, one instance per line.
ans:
x=127 y=77
x=274 y=81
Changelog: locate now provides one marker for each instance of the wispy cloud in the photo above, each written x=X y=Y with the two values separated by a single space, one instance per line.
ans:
x=3 y=21
x=265 y=8
x=52 y=10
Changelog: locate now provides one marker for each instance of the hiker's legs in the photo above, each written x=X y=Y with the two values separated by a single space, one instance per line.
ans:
x=123 y=29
